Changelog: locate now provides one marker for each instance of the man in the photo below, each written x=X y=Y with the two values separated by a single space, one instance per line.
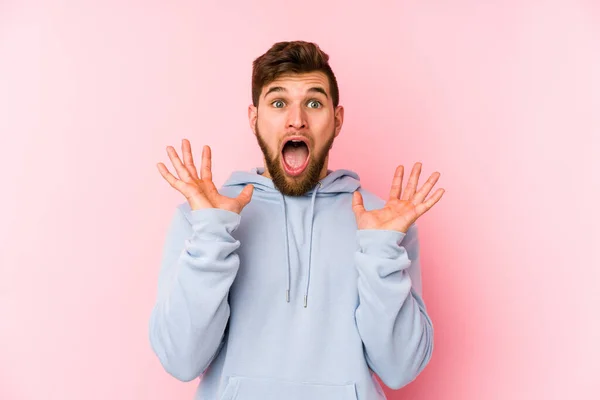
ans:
x=292 y=281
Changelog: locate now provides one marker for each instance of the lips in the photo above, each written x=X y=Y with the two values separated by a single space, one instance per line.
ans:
x=295 y=155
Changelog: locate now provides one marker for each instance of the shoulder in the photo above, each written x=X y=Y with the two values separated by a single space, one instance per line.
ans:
x=231 y=191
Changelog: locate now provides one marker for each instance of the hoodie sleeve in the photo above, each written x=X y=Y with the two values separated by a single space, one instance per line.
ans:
x=191 y=312
x=391 y=317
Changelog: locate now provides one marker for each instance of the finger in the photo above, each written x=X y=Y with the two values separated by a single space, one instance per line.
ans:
x=245 y=195
x=206 y=168
x=411 y=186
x=188 y=159
x=182 y=172
x=396 y=189
x=424 y=191
x=357 y=204
x=173 y=181
x=421 y=208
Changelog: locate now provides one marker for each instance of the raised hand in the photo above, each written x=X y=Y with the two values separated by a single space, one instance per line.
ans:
x=402 y=208
x=200 y=192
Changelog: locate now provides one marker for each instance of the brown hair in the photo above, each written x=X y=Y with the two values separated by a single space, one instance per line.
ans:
x=291 y=57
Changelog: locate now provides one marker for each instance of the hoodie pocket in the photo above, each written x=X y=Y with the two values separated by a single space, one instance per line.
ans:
x=244 y=388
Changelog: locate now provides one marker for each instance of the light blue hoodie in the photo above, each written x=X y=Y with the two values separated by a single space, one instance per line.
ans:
x=288 y=300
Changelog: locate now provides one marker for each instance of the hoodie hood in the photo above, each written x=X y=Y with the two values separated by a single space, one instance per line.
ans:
x=335 y=183
x=339 y=181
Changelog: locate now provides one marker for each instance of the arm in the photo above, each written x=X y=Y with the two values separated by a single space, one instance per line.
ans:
x=391 y=317
x=198 y=266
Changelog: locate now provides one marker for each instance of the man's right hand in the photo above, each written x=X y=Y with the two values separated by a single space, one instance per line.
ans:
x=200 y=192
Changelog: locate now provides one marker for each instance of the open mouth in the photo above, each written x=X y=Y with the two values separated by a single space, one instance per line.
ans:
x=295 y=155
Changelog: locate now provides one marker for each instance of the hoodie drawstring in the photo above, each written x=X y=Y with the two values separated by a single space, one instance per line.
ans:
x=312 y=220
x=287 y=248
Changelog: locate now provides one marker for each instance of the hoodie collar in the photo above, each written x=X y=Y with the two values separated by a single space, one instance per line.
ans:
x=338 y=181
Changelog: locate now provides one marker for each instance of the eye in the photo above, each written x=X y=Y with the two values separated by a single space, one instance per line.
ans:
x=314 y=104
x=278 y=104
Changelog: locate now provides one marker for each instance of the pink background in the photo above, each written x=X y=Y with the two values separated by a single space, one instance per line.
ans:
x=503 y=98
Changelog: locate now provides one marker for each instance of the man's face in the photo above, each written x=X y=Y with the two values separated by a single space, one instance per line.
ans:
x=295 y=125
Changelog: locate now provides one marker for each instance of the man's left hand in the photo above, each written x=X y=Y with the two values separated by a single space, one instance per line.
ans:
x=403 y=208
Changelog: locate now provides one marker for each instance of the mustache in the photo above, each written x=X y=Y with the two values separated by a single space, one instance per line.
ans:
x=290 y=135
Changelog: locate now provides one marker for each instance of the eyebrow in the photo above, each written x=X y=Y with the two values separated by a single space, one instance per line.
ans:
x=314 y=89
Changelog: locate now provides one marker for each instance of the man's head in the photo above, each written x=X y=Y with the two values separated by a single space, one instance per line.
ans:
x=295 y=114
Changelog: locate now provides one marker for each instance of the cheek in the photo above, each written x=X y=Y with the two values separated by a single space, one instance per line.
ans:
x=268 y=132
x=322 y=128
x=269 y=120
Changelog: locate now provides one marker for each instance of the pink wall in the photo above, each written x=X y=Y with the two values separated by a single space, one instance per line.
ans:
x=503 y=98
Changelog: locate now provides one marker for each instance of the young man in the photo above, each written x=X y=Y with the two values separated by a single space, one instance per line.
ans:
x=292 y=281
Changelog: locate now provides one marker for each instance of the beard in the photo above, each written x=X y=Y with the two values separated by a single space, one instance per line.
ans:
x=295 y=185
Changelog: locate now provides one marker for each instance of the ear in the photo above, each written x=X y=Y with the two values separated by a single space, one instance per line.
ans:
x=339 y=119
x=252 y=116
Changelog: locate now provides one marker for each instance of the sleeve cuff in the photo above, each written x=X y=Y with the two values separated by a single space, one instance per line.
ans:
x=383 y=243
x=214 y=221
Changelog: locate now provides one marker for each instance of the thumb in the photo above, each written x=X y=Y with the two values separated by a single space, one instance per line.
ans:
x=357 y=203
x=246 y=195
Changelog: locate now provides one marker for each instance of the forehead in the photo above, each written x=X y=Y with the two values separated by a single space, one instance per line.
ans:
x=299 y=83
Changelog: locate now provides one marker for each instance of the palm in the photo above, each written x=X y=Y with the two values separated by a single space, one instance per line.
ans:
x=394 y=215
x=200 y=191
x=206 y=190
x=402 y=208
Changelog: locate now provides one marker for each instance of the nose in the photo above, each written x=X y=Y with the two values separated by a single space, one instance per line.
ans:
x=296 y=117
